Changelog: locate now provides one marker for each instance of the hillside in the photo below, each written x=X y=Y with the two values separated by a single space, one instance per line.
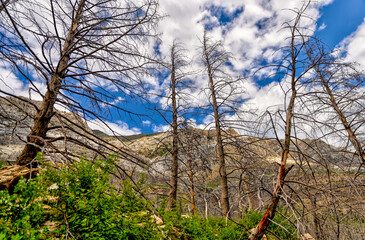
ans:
x=252 y=164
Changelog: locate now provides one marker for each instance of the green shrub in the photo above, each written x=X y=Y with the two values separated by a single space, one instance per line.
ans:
x=83 y=205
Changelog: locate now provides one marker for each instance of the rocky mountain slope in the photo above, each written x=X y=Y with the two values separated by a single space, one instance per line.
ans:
x=252 y=164
x=16 y=120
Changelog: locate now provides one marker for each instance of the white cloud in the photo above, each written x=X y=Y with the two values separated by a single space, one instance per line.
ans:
x=252 y=36
x=146 y=123
x=161 y=128
x=119 y=128
x=11 y=84
x=354 y=46
x=270 y=97
x=117 y=100
x=247 y=36
x=322 y=27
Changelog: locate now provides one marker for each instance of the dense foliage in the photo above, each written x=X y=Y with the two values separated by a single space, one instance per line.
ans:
x=78 y=202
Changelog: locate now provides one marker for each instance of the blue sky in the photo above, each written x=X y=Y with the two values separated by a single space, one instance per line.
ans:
x=341 y=18
x=250 y=29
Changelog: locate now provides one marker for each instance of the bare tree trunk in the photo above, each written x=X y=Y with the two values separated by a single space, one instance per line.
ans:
x=242 y=179
x=191 y=181
x=355 y=142
x=317 y=225
x=250 y=207
x=205 y=205
x=222 y=164
x=240 y=196
x=269 y=214
x=41 y=121
x=3 y=5
x=171 y=203
x=271 y=208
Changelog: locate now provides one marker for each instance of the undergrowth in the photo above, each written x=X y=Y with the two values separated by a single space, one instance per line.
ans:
x=77 y=202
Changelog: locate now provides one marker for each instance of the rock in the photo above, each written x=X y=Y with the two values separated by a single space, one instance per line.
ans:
x=157 y=219
x=154 y=218
x=307 y=236
x=52 y=226
x=263 y=237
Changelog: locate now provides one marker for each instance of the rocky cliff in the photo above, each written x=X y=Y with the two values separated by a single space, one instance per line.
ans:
x=16 y=120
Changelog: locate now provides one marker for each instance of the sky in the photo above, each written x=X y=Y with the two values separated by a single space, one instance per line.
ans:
x=251 y=30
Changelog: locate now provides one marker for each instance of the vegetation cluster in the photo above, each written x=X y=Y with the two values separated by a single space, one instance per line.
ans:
x=78 y=202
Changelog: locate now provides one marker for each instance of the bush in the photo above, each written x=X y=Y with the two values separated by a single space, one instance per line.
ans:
x=82 y=203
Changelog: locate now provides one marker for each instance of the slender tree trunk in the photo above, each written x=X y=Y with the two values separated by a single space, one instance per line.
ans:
x=355 y=142
x=35 y=139
x=222 y=164
x=240 y=196
x=191 y=181
x=3 y=4
x=250 y=207
x=271 y=209
x=171 y=203
x=316 y=221
x=269 y=214
x=205 y=205
x=241 y=192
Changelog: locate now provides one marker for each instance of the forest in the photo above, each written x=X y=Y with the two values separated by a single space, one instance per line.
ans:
x=220 y=169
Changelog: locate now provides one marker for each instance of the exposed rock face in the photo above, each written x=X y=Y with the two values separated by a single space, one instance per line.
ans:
x=16 y=121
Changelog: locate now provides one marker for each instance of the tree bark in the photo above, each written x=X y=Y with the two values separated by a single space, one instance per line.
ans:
x=10 y=175
x=246 y=191
x=171 y=203
x=191 y=181
x=36 y=138
x=269 y=214
x=3 y=5
x=355 y=142
x=220 y=150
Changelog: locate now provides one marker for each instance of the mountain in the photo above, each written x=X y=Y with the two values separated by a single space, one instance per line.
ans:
x=16 y=120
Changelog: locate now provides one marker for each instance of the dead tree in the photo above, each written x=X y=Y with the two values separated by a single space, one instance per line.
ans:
x=3 y=4
x=334 y=111
x=295 y=69
x=192 y=142
x=214 y=58
x=178 y=62
x=340 y=82
x=79 y=50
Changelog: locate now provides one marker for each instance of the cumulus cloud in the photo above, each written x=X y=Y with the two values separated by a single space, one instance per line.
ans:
x=248 y=34
x=251 y=30
x=354 y=46
x=119 y=128
x=160 y=128
x=146 y=123
x=11 y=84
x=322 y=27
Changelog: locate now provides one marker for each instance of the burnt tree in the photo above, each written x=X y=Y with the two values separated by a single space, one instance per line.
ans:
x=79 y=50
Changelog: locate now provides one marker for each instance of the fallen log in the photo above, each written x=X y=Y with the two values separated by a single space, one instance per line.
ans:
x=10 y=175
